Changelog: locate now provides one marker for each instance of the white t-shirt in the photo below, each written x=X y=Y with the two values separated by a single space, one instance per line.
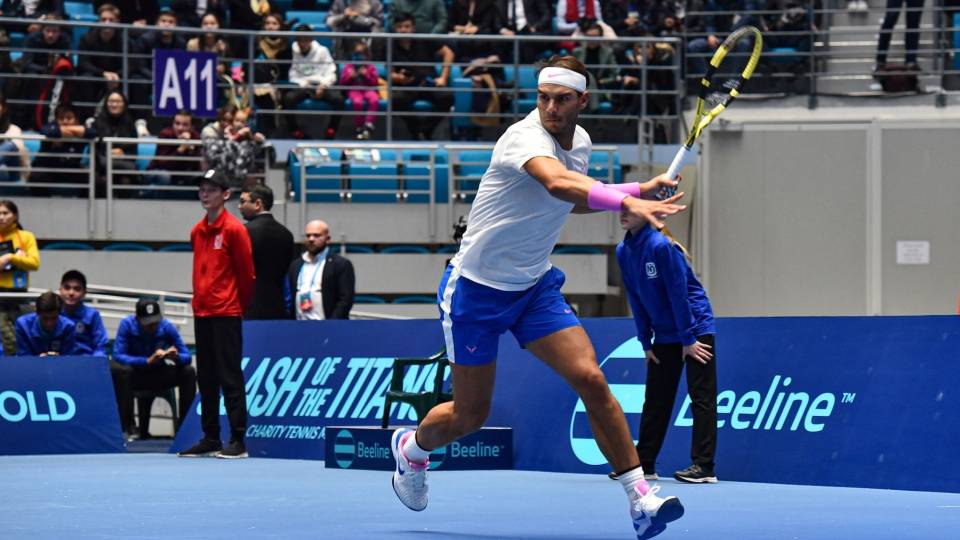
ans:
x=309 y=281
x=515 y=222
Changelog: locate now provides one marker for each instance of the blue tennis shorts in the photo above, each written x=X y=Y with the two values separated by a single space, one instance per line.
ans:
x=474 y=315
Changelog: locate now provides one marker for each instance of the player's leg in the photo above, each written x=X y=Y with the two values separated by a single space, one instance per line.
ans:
x=549 y=329
x=471 y=319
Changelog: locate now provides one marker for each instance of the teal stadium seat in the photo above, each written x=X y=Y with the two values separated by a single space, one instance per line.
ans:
x=577 y=250
x=128 y=246
x=469 y=169
x=78 y=8
x=415 y=299
x=416 y=175
x=394 y=250
x=368 y=299
x=374 y=170
x=356 y=248
x=174 y=248
x=68 y=246
x=600 y=167
x=145 y=153
x=323 y=172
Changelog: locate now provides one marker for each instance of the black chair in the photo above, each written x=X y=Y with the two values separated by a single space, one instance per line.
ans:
x=423 y=401
x=145 y=402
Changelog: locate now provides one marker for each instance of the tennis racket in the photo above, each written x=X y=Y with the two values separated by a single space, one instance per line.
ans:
x=715 y=94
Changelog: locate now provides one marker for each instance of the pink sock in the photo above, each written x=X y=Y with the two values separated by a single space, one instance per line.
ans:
x=412 y=451
x=634 y=479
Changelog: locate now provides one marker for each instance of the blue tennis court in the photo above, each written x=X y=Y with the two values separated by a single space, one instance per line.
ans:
x=156 y=496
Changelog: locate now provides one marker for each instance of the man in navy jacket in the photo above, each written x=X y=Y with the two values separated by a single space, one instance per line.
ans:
x=46 y=332
x=90 y=333
x=149 y=354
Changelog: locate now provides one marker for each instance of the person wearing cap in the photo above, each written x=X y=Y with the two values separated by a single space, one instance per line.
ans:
x=314 y=72
x=501 y=279
x=150 y=355
x=91 y=334
x=223 y=285
x=46 y=332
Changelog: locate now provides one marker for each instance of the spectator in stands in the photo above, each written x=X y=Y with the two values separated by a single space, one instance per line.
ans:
x=237 y=151
x=911 y=34
x=247 y=14
x=428 y=16
x=716 y=19
x=46 y=332
x=361 y=82
x=571 y=13
x=18 y=257
x=418 y=82
x=101 y=55
x=115 y=120
x=68 y=155
x=223 y=284
x=525 y=18
x=322 y=281
x=601 y=64
x=654 y=55
x=90 y=333
x=188 y=164
x=272 y=253
x=471 y=18
x=48 y=54
x=142 y=67
x=139 y=12
x=13 y=153
x=217 y=129
x=268 y=74
x=210 y=41
x=314 y=71
x=189 y=12
x=361 y=16
x=635 y=18
x=149 y=354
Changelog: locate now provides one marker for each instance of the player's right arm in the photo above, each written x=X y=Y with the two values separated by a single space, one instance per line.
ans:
x=574 y=187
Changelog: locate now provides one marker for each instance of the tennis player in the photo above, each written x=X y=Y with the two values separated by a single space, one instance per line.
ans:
x=501 y=279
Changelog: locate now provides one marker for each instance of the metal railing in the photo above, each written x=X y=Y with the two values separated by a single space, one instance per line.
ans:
x=512 y=70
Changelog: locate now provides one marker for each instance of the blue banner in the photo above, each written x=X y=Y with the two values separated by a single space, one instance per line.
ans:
x=853 y=401
x=57 y=405
x=184 y=80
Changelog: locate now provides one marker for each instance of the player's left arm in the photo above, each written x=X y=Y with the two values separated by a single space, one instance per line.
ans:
x=575 y=187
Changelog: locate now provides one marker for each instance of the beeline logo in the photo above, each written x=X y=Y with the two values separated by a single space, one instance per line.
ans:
x=776 y=409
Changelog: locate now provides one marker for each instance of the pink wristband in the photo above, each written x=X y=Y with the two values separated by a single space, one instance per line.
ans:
x=601 y=198
x=630 y=188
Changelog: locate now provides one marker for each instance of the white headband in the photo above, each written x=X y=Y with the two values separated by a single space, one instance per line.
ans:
x=563 y=77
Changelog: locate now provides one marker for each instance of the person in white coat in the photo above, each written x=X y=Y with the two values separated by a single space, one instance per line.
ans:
x=314 y=71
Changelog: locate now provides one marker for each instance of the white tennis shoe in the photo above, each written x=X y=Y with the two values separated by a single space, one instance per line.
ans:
x=409 y=479
x=651 y=513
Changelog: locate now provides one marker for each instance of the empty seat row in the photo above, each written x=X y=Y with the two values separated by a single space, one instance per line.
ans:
x=331 y=175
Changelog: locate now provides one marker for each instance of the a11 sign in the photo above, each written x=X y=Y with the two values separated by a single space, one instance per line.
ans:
x=184 y=80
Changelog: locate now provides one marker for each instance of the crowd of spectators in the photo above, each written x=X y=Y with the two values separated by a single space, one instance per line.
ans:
x=81 y=84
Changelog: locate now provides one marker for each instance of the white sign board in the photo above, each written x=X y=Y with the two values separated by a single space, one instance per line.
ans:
x=913 y=252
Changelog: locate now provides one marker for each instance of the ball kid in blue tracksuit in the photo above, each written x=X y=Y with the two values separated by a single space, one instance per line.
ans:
x=675 y=326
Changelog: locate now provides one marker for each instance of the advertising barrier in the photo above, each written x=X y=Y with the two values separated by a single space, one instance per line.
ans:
x=368 y=447
x=57 y=405
x=852 y=401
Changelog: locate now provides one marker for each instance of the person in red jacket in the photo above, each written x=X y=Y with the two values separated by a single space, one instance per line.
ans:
x=223 y=281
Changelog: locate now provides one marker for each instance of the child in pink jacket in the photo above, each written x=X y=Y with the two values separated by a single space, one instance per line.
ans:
x=364 y=79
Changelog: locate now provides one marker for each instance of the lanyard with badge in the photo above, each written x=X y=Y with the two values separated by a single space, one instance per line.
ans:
x=305 y=299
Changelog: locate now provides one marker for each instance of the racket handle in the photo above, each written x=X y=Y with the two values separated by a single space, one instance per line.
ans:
x=673 y=172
